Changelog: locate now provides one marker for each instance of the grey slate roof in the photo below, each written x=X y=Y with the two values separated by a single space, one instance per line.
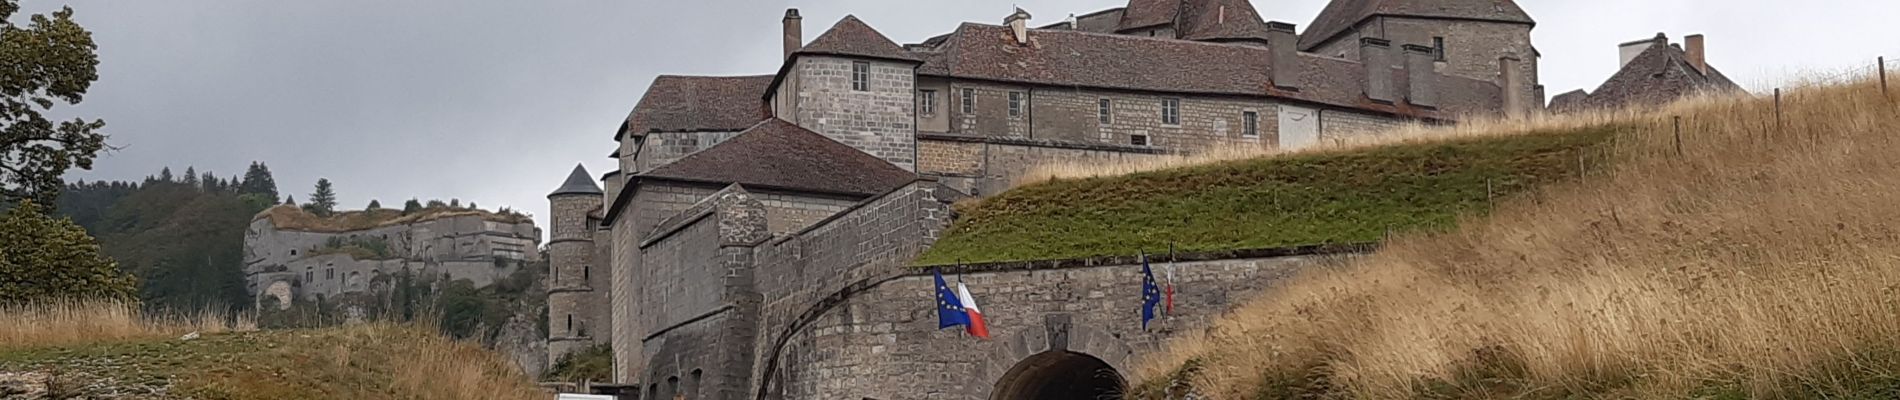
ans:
x=697 y=104
x=578 y=182
x=1658 y=75
x=778 y=154
x=1109 y=61
x=1341 y=15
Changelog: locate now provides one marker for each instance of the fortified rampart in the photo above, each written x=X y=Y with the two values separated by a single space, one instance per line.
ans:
x=290 y=258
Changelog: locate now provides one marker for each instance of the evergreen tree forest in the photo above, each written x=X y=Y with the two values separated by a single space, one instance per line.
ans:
x=182 y=236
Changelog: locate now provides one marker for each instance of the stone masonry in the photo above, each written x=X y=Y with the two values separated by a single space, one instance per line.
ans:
x=877 y=120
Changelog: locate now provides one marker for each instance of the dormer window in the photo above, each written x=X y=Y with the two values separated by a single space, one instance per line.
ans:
x=860 y=76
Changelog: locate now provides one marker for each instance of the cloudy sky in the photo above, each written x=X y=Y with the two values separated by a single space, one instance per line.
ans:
x=495 y=101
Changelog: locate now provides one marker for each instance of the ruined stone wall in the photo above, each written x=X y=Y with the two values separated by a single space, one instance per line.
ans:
x=883 y=343
x=880 y=121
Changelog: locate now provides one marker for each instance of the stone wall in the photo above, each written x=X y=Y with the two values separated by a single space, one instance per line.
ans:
x=1072 y=115
x=661 y=148
x=1342 y=126
x=883 y=342
x=1472 y=48
x=652 y=201
x=576 y=296
x=880 y=121
x=985 y=166
x=700 y=298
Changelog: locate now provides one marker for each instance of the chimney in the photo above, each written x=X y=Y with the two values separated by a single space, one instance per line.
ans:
x=1511 y=76
x=1376 y=54
x=1697 y=55
x=1419 y=62
x=794 y=32
x=1283 y=45
x=1629 y=51
x=1018 y=23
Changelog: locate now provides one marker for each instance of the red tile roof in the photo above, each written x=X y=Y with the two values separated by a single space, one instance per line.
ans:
x=697 y=104
x=778 y=154
x=1223 y=20
x=1149 y=13
x=1658 y=75
x=1341 y=15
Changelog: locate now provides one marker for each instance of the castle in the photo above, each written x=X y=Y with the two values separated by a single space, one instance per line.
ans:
x=756 y=239
x=293 y=256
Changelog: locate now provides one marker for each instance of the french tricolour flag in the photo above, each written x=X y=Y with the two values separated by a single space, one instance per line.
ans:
x=977 y=328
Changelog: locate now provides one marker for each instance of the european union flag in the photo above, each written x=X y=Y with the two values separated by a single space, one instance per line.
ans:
x=1150 y=293
x=949 y=309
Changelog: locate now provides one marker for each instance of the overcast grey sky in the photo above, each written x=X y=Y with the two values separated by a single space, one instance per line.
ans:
x=494 y=101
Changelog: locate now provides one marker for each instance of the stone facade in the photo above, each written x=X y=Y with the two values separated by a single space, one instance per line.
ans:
x=1472 y=48
x=290 y=264
x=577 y=279
x=879 y=120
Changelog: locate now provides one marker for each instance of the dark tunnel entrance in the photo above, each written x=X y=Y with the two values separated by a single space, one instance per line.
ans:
x=1060 y=375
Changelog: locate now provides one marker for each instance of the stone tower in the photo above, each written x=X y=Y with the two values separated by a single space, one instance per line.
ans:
x=577 y=290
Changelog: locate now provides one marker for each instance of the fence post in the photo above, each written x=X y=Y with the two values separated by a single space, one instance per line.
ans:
x=1778 y=128
x=1678 y=119
x=1883 y=78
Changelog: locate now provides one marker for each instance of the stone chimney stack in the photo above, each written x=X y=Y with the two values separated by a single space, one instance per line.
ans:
x=1698 y=56
x=1376 y=54
x=1018 y=23
x=1516 y=103
x=1283 y=45
x=794 y=32
x=1419 y=63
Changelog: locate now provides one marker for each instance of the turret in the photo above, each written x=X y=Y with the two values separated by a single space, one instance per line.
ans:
x=576 y=287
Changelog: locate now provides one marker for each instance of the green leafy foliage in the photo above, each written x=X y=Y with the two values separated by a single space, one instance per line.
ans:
x=43 y=258
x=184 y=242
x=1307 y=199
x=592 y=364
x=48 y=61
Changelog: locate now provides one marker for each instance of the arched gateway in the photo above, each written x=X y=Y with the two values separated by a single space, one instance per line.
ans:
x=1060 y=375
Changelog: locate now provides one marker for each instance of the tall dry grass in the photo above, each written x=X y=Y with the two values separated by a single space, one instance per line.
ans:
x=80 y=323
x=1764 y=261
x=431 y=366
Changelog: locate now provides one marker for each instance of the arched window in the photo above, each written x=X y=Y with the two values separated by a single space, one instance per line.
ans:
x=672 y=387
x=692 y=386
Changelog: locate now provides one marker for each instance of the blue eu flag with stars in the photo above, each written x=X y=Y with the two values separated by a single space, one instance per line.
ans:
x=949 y=309
x=1150 y=293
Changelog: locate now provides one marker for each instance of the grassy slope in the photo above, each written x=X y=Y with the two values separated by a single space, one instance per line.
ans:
x=359 y=362
x=1320 y=198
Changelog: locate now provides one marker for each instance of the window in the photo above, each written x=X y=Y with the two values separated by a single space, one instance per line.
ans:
x=329 y=273
x=1250 y=124
x=1015 y=104
x=969 y=101
x=1104 y=111
x=1438 y=47
x=1171 y=111
x=570 y=323
x=1138 y=140
x=309 y=276
x=293 y=252
x=587 y=272
x=860 y=76
x=927 y=102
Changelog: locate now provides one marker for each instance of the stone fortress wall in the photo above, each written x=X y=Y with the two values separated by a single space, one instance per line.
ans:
x=289 y=264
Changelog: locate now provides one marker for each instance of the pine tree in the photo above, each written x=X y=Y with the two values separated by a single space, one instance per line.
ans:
x=411 y=206
x=191 y=177
x=455 y=203
x=165 y=175
x=257 y=180
x=323 y=201
x=212 y=183
x=374 y=205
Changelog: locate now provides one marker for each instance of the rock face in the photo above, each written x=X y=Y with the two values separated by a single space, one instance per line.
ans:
x=523 y=344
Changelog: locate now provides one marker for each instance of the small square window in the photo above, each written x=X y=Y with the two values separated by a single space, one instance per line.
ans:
x=860 y=76
x=1250 y=124
x=1105 y=112
x=1015 y=104
x=1138 y=140
x=969 y=101
x=1171 y=111
x=927 y=102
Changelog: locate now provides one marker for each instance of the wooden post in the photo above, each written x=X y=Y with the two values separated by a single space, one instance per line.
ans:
x=1579 y=164
x=1883 y=78
x=1778 y=129
x=1679 y=133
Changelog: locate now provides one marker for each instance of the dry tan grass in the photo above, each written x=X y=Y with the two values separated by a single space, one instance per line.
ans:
x=79 y=323
x=1764 y=260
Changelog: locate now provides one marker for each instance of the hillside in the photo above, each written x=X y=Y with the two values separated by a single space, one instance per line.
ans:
x=117 y=358
x=1748 y=255
x=1324 y=197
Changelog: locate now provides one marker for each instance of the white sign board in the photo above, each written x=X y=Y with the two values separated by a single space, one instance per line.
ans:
x=568 y=396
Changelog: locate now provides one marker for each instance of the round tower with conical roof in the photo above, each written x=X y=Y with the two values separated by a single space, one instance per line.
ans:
x=577 y=289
